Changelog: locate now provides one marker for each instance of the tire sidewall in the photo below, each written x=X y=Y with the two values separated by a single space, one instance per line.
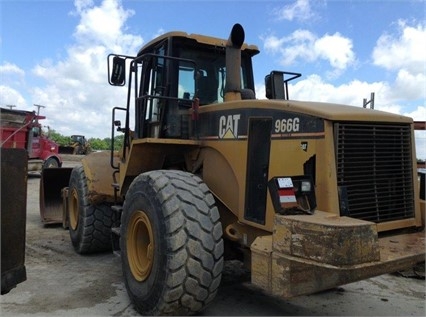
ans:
x=76 y=179
x=48 y=162
x=144 y=199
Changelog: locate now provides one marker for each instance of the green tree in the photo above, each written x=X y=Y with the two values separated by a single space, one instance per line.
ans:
x=96 y=144
x=59 y=138
x=118 y=142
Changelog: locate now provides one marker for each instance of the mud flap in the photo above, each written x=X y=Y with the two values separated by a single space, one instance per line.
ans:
x=52 y=182
x=13 y=217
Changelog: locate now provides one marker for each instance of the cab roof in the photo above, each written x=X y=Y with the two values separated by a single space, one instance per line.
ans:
x=202 y=39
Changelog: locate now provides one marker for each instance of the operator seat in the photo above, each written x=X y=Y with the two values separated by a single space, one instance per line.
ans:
x=207 y=90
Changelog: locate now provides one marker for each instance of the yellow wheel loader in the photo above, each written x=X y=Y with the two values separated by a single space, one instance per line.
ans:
x=307 y=195
x=78 y=145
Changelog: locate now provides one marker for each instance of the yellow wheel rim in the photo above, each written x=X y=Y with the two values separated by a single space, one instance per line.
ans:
x=73 y=209
x=140 y=246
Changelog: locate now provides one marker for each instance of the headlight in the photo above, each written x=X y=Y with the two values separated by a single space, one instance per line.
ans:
x=305 y=186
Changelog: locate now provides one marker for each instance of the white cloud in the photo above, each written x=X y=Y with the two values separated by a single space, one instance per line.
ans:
x=12 y=77
x=403 y=53
x=314 y=88
x=77 y=95
x=410 y=86
x=420 y=137
x=300 y=10
x=159 y=32
x=103 y=24
x=10 y=96
x=260 y=91
x=336 y=49
x=81 y=5
x=404 y=50
x=11 y=69
x=418 y=114
x=305 y=46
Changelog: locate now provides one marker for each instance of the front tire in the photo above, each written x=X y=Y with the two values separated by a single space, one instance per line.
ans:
x=171 y=244
x=89 y=225
x=51 y=162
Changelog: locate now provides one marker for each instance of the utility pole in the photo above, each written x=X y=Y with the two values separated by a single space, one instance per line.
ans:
x=371 y=101
x=10 y=106
x=38 y=108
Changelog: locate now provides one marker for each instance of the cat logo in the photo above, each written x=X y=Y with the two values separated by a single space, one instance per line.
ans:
x=228 y=126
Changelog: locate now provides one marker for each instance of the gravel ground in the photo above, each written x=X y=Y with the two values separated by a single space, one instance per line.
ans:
x=63 y=283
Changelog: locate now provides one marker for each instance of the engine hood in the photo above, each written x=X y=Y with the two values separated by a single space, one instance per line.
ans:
x=328 y=111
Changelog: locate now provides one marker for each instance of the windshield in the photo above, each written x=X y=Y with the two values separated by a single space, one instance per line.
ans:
x=211 y=76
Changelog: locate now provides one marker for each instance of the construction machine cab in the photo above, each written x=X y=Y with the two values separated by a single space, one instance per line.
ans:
x=78 y=139
x=170 y=73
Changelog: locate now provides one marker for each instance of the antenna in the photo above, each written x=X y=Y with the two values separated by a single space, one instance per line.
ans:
x=10 y=106
x=38 y=108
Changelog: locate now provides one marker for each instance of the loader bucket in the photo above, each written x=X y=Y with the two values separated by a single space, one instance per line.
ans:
x=52 y=182
x=66 y=150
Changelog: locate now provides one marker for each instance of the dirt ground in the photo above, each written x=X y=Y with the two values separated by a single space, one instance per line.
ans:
x=63 y=283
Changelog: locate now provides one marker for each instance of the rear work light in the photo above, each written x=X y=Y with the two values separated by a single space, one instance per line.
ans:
x=292 y=194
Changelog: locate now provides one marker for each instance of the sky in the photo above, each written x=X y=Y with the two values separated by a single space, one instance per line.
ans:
x=54 y=53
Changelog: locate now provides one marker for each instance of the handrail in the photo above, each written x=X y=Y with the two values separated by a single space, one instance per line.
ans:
x=112 y=136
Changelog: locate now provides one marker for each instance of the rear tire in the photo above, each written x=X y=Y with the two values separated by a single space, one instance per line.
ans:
x=171 y=244
x=89 y=225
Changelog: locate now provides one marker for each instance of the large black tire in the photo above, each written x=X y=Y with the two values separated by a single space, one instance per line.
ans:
x=51 y=162
x=171 y=243
x=89 y=225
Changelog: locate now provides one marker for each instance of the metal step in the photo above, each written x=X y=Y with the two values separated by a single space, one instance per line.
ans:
x=116 y=186
x=115 y=239
x=117 y=210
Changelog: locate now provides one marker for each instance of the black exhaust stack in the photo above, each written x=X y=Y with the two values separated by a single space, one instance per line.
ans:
x=233 y=63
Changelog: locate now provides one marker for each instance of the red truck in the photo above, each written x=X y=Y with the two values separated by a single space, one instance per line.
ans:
x=21 y=129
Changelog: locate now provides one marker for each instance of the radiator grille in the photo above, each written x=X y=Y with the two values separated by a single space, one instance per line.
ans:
x=374 y=171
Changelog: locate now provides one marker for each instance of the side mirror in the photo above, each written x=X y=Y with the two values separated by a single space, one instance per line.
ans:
x=276 y=86
x=118 y=74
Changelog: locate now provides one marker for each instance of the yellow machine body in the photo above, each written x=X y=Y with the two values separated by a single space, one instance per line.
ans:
x=359 y=159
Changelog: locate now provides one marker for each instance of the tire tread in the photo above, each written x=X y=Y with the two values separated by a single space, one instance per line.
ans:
x=94 y=235
x=195 y=246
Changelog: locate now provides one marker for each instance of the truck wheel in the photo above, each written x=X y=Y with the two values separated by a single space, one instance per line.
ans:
x=89 y=225
x=51 y=162
x=171 y=244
